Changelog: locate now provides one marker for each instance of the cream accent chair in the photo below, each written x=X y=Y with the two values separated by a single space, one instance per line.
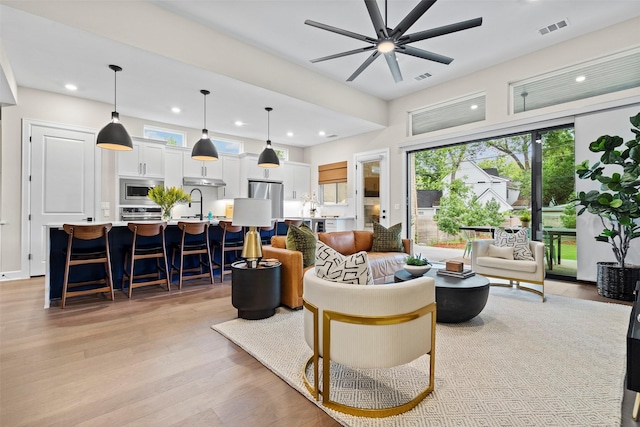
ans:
x=514 y=271
x=342 y=324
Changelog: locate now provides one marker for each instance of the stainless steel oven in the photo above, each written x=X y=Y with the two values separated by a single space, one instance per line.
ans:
x=140 y=214
x=134 y=191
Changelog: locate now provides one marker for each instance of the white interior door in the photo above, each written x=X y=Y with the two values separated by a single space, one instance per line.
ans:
x=62 y=184
x=372 y=189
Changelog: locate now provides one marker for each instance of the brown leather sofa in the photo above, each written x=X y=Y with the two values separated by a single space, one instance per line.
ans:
x=383 y=264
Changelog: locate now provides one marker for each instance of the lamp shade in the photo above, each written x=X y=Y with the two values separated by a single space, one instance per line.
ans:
x=114 y=137
x=204 y=149
x=268 y=158
x=251 y=212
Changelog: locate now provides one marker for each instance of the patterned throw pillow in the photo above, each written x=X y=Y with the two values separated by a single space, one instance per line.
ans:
x=387 y=239
x=302 y=239
x=335 y=267
x=518 y=241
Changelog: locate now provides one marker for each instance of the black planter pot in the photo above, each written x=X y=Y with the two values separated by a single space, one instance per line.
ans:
x=616 y=282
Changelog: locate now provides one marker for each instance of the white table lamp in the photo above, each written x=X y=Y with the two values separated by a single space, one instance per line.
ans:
x=252 y=213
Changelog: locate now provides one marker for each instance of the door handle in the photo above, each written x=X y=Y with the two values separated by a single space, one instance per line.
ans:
x=145 y=168
x=139 y=168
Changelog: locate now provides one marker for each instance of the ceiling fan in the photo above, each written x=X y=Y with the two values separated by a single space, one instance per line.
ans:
x=390 y=41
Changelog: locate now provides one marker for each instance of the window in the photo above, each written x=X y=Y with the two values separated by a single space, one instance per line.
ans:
x=332 y=180
x=333 y=194
x=282 y=153
x=227 y=146
x=173 y=137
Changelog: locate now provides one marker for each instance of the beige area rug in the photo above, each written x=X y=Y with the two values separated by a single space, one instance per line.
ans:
x=519 y=363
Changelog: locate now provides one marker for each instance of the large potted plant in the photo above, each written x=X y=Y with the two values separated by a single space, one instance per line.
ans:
x=617 y=204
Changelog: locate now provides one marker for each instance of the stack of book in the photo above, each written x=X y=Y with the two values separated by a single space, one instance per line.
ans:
x=459 y=274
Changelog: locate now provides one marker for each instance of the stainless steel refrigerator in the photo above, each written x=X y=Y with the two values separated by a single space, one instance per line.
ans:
x=271 y=190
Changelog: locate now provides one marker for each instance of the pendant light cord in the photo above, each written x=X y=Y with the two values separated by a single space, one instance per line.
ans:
x=115 y=90
x=205 y=110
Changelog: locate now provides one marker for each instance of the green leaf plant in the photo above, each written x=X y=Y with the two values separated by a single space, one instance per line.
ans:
x=618 y=201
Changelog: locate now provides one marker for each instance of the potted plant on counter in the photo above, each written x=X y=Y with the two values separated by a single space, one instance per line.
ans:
x=618 y=206
x=167 y=198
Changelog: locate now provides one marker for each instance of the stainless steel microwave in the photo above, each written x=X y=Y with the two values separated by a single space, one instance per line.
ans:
x=134 y=191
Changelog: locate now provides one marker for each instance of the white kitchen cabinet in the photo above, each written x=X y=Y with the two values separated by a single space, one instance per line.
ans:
x=339 y=224
x=297 y=180
x=251 y=170
x=145 y=160
x=231 y=177
x=200 y=169
x=173 y=167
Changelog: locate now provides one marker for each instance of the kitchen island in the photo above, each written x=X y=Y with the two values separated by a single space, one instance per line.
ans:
x=120 y=238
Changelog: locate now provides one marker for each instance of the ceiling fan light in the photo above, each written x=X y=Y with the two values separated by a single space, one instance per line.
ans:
x=386 y=46
x=114 y=136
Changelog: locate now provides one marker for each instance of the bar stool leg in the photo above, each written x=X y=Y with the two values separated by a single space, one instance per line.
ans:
x=636 y=407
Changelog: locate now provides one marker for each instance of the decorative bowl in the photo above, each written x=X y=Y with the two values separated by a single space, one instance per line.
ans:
x=416 y=270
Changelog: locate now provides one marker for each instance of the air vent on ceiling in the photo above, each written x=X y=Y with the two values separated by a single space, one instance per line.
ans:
x=422 y=76
x=332 y=136
x=553 y=27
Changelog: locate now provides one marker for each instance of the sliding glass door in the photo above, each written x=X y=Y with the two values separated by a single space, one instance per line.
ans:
x=459 y=193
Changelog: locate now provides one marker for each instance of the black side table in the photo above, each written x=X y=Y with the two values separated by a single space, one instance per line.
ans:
x=255 y=292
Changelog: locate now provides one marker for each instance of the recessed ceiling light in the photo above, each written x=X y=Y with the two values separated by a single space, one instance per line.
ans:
x=69 y=86
x=175 y=110
x=474 y=107
x=238 y=123
x=289 y=133
x=321 y=133
x=580 y=79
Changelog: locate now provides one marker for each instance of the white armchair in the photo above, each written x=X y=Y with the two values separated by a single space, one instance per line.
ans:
x=514 y=271
x=342 y=323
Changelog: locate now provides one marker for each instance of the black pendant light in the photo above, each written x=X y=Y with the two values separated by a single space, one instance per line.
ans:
x=204 y=148
x=114 y=136
x=268 y=158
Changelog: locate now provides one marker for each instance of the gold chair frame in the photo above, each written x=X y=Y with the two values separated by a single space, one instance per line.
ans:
x=516 y=283
x=328 y=317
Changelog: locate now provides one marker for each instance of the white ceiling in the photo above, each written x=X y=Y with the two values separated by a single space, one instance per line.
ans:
x=45 y=55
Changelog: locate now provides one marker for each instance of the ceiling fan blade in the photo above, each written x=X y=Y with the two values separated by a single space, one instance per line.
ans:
x=440 y=31
x=364 y=65
x=340 y=55
x=376 y=18
x=392 y=62
x=419 y=53
x=411 y=18
x=340 y=31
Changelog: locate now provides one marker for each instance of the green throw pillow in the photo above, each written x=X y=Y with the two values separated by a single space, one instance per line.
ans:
x=387 y=239
x=302 y=239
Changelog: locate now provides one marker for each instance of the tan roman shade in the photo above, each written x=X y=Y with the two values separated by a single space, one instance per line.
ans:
x=332 y=173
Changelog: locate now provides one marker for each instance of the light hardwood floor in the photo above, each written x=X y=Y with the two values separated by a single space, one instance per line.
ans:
x=149 y=361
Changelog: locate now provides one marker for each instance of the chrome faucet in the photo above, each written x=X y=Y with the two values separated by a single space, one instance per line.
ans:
x=197 y=202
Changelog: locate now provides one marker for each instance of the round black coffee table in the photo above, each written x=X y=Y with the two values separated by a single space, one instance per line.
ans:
x=457 y=300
